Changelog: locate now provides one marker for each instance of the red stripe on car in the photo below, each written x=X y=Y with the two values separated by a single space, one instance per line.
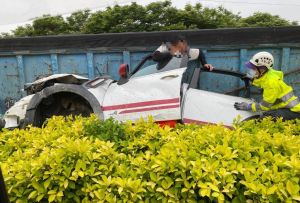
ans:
x=150 y=109
x=187 y=120
x=139 y=104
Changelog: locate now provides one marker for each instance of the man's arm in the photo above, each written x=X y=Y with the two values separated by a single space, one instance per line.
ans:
x=203 y=61
x=197 y=54
x=162 y=53
x=160 y=56
x=202 y=58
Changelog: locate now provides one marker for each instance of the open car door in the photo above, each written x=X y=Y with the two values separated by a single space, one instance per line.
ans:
x=203 y=106
x=153 y=89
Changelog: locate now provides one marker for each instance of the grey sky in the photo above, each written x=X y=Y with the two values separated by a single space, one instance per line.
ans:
x=16 y=12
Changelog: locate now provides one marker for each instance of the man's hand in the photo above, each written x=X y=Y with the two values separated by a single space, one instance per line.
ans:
x=242 y=106
x=208 y=66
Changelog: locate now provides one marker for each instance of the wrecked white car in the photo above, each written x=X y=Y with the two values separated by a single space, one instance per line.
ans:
x=167 y=92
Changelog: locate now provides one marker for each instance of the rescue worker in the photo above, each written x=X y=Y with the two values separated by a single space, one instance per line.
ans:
x=278 y=97
x=177 y=46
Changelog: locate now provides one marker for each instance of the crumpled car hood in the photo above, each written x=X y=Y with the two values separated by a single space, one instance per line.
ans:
x=40 y=84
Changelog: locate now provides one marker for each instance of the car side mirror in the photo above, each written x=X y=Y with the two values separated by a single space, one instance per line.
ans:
x=124 y=70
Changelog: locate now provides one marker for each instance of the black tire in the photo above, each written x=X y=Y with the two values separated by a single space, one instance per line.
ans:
x=61 y=99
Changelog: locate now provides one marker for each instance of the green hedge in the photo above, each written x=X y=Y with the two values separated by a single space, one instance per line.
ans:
x=87 y=160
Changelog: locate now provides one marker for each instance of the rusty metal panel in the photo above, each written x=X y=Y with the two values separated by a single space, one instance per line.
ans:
x=108 y=64
x=292 y=74
x=73 y=63
x=36 y=66
x=10 y=87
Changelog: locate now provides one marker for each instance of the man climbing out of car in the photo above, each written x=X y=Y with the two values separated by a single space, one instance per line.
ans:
x=278 y=97
x=178 y=46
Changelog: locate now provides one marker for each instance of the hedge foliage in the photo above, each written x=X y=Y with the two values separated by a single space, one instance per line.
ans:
x=87 y=160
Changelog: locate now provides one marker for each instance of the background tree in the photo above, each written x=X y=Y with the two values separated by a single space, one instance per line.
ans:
x=259 y=19
x=77 y=21
x=163 y=16
x=156 y=16
x=50 y=25
x=23 y=31
x=204 y=18
x=5 y=35
x=128 y=18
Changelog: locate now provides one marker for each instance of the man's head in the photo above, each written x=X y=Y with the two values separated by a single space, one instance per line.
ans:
x=259 y=64
x=180 y=42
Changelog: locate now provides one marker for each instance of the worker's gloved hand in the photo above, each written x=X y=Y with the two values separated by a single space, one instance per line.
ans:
x=242 y=106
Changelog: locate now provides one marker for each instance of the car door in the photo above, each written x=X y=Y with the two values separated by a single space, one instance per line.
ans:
x=212 y=102
x=151 y=91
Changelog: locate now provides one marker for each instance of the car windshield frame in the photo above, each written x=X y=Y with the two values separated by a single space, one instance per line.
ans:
x=173 y=64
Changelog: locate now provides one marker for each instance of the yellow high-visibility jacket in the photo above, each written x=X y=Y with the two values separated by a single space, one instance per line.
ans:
x=276 y=93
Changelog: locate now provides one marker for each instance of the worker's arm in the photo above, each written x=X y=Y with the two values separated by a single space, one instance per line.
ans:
x=270 y=96
x=254 y=106
x=160 y=56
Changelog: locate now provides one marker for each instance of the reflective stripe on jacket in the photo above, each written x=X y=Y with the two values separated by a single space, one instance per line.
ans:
x=276 y=93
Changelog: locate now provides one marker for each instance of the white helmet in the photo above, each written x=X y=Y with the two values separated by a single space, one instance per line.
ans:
x=262 y=59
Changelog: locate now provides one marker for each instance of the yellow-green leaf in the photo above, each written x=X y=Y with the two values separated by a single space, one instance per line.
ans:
x=47 y=183
x=60 y=194
x=32 y=194
x=40 y=197
x=292 y=188
x=81 y=174
x=51 y=198
x=51 y=192
x=184 y=189
x=204 y=192
x=66 y=183
x=296 y=198
x=271 y=190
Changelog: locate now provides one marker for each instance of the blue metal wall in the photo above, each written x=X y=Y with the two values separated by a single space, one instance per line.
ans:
x=16 y=69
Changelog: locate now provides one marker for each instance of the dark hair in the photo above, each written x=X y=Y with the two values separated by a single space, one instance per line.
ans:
x=174 y=39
